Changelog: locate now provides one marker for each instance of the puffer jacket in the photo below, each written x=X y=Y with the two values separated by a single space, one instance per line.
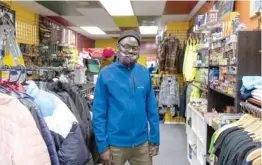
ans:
x=41 y=124
x=78 y=150
x=78 y=105
x=21 y=142
x=169 y=92
x=60 y=121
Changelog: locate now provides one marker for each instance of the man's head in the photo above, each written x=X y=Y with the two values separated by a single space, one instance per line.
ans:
x=128 y=47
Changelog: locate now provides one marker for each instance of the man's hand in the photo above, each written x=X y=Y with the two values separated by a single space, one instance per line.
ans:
x=106 y=157
x=153 y=150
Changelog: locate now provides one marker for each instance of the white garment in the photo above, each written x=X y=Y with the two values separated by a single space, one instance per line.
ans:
x=169 y=92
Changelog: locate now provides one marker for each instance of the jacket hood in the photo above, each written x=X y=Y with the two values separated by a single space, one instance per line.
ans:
x=31 y=89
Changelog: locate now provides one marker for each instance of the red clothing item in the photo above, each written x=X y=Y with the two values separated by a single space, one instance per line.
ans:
x=108 y=52
x=13 y=87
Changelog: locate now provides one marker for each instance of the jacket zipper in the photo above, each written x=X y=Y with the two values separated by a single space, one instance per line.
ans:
x=132 y=110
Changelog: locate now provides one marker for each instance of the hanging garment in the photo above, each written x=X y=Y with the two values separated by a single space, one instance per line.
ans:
x=232 y=146
x=21 y=142
x=80 y=112
x=60 y=121
x=79 y=107
x=169 y=92
x=77 y=103
x=190 y=71
x=185 y=58
x=73 y=151
x=188 y=93
x=41 y=124
x=171 y=56
x=182 y=109
x=249 y=82
x=181 y=59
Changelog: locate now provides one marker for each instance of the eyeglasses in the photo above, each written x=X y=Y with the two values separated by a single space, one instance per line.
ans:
x=130 y=48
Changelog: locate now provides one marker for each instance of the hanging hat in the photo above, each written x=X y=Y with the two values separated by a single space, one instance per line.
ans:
x=108 y=52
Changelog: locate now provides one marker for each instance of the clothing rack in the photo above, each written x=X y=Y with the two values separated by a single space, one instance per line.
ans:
x=30 y=69
x=247 y=107
x=23 y=68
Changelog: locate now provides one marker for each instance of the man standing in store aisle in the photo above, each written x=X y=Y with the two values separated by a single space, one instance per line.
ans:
x=125 y=108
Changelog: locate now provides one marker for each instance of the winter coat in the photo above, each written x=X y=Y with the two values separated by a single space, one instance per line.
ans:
x=169 y=92
x=59 y=120
x=77 y=150
x=78 y=105
x=21 y=142
x=182 y=109
x=124 y=103
x=41 y=124
x=75 y=103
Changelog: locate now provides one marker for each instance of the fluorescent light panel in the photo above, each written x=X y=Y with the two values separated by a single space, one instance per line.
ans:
x=93 y=30
x=148 y=30
x=118 y=7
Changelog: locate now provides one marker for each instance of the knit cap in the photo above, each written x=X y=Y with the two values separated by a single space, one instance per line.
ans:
x=130 y=33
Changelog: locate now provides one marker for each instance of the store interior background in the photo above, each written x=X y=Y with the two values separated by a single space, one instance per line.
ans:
x=179 y=18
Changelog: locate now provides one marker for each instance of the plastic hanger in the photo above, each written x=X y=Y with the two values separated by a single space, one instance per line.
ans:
x=257 y=161
x=254 y=154
x=16 y=81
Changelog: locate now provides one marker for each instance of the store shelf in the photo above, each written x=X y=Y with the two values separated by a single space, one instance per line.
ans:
x=208 y=27
x=220 y=39
x=218 y=47
x=200 y=66
x=233 y=74
x=223 y=93
x=202 y=49
x=203 y=89
x=255 y=101
x=228 y=50
x=199 y=82
x=222 y=65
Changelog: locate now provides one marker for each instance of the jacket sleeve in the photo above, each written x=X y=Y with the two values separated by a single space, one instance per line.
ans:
x=100 y=114
x=152 y=115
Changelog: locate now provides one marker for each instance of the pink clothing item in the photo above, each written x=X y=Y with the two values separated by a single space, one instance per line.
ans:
x=108 y=52
x=20 y=141
x=13 y=87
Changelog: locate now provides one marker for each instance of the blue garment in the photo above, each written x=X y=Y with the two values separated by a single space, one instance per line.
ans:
x=151 y=69
x=62 y=125
x=45 y=100
x=247 y=163
x=47 y=136
x=124 y=104
x=249 y=82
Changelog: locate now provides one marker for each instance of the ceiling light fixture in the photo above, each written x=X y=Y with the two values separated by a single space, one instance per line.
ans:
x=148 y=30
x=93 y=30
x=118 y=7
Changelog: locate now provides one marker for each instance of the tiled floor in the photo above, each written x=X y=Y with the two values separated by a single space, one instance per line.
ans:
x=172 y=147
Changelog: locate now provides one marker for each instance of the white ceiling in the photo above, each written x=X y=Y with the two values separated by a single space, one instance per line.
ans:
x=99 y=16
x=37 y=8
x=148 y=8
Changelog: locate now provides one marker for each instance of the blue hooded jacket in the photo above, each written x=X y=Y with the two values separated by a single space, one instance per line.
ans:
x=124 y=108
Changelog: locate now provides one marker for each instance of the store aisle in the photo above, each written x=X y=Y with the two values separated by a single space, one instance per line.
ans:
x=172 y=146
